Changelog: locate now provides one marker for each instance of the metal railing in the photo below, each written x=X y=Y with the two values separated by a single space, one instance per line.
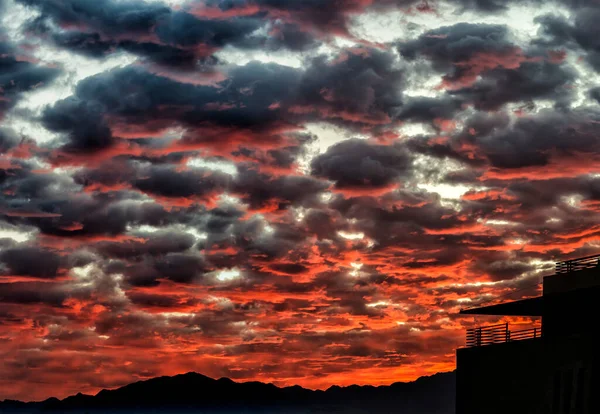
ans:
x=496 y=334
x=530 y=333
x=581 y=263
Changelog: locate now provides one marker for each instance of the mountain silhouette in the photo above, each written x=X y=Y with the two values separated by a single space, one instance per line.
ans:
x=193 y=392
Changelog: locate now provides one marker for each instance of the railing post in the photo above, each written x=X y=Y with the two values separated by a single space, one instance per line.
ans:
x=506 y=334
x=478 y=336
x=534 y=333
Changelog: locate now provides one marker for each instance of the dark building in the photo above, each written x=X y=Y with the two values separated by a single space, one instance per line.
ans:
x=550 y=369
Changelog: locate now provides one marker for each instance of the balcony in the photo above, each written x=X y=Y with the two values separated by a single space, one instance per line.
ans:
x=497 y=334
x=575 y=265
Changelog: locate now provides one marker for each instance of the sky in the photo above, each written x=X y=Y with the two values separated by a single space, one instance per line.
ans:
x=297 y=192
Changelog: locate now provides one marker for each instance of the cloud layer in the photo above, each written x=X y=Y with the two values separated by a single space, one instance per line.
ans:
x=267 y=190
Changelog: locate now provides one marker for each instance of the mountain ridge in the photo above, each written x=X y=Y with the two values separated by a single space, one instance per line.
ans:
x=195 y=392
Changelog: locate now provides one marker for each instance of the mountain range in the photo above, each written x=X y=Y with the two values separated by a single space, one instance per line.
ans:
x=193 y=392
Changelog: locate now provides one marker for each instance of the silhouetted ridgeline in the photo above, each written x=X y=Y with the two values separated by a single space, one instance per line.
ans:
x=197 y=393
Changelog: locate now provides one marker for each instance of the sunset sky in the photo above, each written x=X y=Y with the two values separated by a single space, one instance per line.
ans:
x=289 y=191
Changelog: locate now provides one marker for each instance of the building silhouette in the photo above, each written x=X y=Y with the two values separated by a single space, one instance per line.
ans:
x=550 y=369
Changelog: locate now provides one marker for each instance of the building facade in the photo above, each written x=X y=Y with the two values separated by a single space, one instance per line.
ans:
x=550 y=369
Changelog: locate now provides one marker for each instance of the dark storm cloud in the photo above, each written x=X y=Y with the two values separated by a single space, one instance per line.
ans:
x=89 y=44
x=136 y=274
x=532 y=140
x=181 y=267
x=169 y=56
x=180 y=37
x=490 y=6
x=131 y=93
x=531 y=80
x=283 y=157
x=7 y=140
x=323 y=16
x=249 y=242
x=253 y=187
x=289 y=268
x=414 y=218
x=483 y=66
x=351 y=294
x=26 y=293
x=535 y=140
x=111 y=173
x=538 y=207
x=83 y=121
x=448 y=45
x=284 y=36
x=93 y=45
x=323 y=222
x=423 y=109
x=258 y=189
x=580 y=32
x=594 y=93
x=168 y=182
x=362 y=86
x=221 y=218
x=55 y=204
x=155 y=244
x=355 y=163
x=184 y=29
x=502 y=267
x=104 y=217
x=153 y=300
x=331 y=18
x=26 y=184
x=18 y=75
x=20 y=261
x=109 y=16
x=255 y=241
x=134 y=92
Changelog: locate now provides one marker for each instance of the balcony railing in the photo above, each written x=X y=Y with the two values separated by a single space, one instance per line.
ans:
x=581 y=263
x=496 y=334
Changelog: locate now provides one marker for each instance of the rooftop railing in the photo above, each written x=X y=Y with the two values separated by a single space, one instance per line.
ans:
x=581 y=263
x=497 y=334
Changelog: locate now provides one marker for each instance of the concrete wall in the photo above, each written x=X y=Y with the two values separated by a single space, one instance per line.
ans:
x=570 y=313
x=572 y=365
x=581 y=279
x=529 y=377
x=500 y=379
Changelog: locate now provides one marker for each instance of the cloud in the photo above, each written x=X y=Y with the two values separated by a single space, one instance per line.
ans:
x=356 y=163
x=362 y=86
x=7 y=140
x=259 y=189
x=360 y=90
x=459 y=49
x=136 y=97
x=483 y=66
x=264 y=190
x=181 y=267
x=549 y=137
x=153 y=31
x=19 y=75
x=170 y=183
x=536 y=140
x=83 y=121
x=154 y=245
x=531 y=80
x=18 y=261
x=27 y=293
x=578 y=34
